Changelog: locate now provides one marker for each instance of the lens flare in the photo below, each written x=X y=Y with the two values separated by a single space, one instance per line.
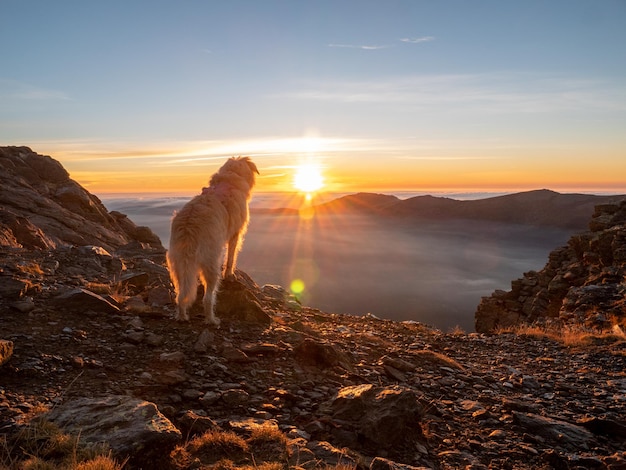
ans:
x=297 y=286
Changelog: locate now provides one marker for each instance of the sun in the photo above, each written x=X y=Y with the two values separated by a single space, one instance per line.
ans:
x=308 y=178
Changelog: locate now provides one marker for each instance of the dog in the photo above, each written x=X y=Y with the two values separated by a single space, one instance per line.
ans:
x=210 y=224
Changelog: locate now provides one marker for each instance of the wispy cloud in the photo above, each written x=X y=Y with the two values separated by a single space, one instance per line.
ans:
x=13 y=89
x=418 y=40
x=359 y=46
x=195 y=152
x=375 y=47
x=505 y=92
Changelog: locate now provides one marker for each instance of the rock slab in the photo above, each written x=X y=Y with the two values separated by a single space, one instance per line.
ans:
x=375 y=419
x=130 y=427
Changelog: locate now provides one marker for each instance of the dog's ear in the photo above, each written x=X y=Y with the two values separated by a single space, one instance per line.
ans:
x=252 y=166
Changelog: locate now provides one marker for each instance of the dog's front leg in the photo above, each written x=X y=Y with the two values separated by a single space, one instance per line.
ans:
x=231 y=257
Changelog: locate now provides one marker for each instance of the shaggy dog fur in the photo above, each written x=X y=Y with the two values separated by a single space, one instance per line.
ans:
x=201 y=230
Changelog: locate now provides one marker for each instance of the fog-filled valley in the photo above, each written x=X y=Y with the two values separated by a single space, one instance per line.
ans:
x=402 y=269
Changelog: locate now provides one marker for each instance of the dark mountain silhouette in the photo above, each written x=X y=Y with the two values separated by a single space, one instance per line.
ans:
x=368 y=203
x=539 y=207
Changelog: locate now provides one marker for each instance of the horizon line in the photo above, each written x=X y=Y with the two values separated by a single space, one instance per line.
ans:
x=453 y=191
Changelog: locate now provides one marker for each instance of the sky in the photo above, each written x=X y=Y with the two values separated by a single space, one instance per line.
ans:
x=413 y=95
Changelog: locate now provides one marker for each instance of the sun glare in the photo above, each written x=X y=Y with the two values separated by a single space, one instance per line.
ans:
x=308 y=179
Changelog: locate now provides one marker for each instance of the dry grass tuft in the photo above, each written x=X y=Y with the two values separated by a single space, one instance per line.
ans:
x=41 y=445
x=571 y=336
x=265 y=466
x=99 y=288
x=457 y=331
x=30 y=269
x=102 y=462
x=436 y=359
x=264 y=449
x=226 y=464
x=267 y=433
x=217 y=445
x=267 y=442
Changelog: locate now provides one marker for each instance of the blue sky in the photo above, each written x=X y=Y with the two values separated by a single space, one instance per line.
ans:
x=382 y=94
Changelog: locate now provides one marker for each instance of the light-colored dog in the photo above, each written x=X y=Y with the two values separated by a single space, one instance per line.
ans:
x=201 y=230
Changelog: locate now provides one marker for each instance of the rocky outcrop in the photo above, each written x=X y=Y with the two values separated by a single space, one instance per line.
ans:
x=582 y=283
x=41 y=207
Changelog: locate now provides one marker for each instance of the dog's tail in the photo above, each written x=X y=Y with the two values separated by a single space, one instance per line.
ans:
x=184 y=274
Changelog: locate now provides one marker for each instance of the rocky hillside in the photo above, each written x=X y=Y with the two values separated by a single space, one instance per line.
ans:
x=41 y=207
x=89 y=344
x=583 y=283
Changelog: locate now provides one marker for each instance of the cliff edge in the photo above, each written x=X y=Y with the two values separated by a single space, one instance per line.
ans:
x=581 y=284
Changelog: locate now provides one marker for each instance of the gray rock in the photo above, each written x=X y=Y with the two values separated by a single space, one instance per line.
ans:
x=26 y=305
x=206 y=339
x=210 y=398
x=192 y=424
x=130 y=427
x=159 y=297
x=153 y=339
x=172 y=377
x=555 y=431
x=176 y=357
x=82 y=299
x=235 y=397
x=315 y=353
x=11 y=288
x=232 y=354
x=398 y=364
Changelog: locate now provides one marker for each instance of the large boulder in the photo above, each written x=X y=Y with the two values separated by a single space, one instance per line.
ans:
x=383 y=421
x=132 y=428
x=236 y=300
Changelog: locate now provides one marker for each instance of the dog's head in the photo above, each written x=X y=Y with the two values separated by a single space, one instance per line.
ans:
x=242 y=166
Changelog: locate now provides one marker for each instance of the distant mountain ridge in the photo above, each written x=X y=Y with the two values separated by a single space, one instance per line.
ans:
x=541 y=207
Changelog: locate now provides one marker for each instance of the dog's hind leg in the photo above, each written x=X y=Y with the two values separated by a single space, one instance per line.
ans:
x=185 y=280
x=231 y=257
x=210 y=278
